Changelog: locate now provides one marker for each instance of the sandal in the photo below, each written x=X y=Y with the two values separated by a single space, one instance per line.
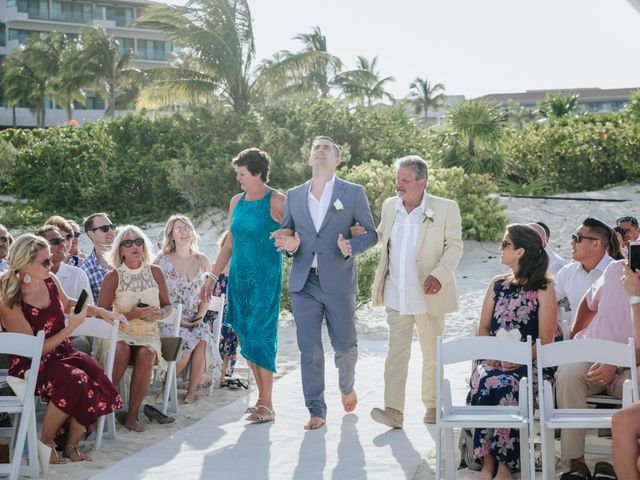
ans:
x=258 y=417
x=604 y=471
x=578 y=471
x=55 y=458
x=72 y=452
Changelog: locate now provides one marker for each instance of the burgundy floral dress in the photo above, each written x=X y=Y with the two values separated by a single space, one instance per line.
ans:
x=514 y=308
x=72 y=380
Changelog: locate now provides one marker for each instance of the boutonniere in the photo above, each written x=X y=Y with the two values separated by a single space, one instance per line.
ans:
x=338 y=205
x=428 y=215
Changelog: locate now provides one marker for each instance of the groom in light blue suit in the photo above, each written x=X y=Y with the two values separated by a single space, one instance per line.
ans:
x=323 y=280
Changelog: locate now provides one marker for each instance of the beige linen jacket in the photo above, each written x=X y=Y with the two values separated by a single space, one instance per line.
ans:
x=438 y=251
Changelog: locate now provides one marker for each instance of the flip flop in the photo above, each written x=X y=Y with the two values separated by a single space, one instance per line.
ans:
x=604 y=471
x=579 y=471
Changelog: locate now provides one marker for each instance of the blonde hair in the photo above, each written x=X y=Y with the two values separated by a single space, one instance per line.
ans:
x=61 y=223
x=22 y=254
x=113 y=257
x=169 y=244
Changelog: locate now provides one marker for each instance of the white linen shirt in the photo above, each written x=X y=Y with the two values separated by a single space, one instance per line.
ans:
x=556 y=262
x=573 y=281
x=318 y=209
x=73 y=280
x=402 y=289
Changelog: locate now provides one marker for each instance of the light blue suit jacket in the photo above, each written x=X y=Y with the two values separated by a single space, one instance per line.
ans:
x=337 y=273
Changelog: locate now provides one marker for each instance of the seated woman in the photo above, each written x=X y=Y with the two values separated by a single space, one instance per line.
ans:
x=183 y=266
x=138 y=290
x=521 y=301
x=72 y=383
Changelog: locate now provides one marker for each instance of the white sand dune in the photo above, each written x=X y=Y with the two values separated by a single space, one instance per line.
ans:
x=353 y=445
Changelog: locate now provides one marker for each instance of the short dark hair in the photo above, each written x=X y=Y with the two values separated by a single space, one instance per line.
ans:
x=257 y=162
x=632 y=220
x=533 y=264
x=606 y=235
x=334 y=145
x=546 y=229
x=87 y=224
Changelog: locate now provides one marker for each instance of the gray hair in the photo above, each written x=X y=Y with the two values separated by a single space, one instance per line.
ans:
x=419 y=166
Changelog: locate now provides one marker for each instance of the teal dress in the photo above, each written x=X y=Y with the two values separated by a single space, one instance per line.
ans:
x=255 y=280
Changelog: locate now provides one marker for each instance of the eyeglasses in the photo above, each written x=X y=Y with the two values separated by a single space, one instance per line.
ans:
x=4 y=239
x=505 y=244
x=129 y=243
x=46 y=263
x=56 y=241
x=105 y=228
x=578 y=237
x=76 y=234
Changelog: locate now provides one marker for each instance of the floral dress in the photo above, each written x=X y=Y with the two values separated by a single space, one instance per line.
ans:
x=187 y=293
x=514 y=309
x=72 y=380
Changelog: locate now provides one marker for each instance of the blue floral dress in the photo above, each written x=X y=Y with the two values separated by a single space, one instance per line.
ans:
x=514 y=308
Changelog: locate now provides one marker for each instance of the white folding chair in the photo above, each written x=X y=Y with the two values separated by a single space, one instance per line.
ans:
x=100 y=329
x=217 y=304
x=574 y=351
x=22 y=405
x=170 y=394
x=449 y=416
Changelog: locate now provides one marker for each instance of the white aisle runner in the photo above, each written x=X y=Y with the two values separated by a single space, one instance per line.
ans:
x=350 y=447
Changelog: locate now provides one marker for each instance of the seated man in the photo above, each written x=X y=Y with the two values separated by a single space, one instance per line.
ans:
x=604 y=313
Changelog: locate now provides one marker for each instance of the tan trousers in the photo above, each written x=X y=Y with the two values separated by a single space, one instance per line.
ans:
x=397 y=363
x=572 y=391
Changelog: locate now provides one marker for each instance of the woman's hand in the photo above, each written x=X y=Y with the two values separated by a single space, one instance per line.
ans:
x=509 y=367
x=153 y=314
x=139 y=312
x=110 y=317
x=493 y=363
x=76 y=319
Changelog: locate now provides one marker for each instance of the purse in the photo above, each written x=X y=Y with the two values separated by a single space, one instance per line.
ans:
x=170 y=347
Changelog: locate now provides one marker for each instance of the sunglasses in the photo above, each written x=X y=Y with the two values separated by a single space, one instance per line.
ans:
x=45 y=263
x=56 y=241
x=4 y=239
x=68 y=236
x=129 y=243
x=505 y=244
x=578 y=237
x=76 y=234
x=105 y=228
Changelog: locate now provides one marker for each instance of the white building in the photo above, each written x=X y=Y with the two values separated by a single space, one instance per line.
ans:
x=21 y=18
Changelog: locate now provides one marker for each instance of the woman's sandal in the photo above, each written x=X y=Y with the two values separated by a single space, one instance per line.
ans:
x=257 y=417
x=55 y=458
x=72 y=452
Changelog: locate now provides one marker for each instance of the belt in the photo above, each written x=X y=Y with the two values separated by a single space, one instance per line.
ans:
x=314 y=270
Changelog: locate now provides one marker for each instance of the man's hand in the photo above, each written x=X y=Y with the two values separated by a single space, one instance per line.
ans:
x=600 y=374
x=285 y=239
x=344 y=245
x=356 y=229
x=631 y=280
x=431 y=285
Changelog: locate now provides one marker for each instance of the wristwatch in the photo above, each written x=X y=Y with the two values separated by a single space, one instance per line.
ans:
x=633 y=299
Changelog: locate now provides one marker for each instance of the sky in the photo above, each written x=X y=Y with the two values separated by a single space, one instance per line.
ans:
x=473 y=47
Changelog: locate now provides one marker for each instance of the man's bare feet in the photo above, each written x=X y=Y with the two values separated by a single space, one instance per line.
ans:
x=315 y=423
x=349 y=401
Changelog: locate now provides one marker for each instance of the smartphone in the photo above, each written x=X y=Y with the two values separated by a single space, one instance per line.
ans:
x=82 y=300
x=142 y=305
x=620 y=230
x=634 y=255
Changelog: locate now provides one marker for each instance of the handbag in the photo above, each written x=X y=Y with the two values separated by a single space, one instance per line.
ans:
x=465 y=445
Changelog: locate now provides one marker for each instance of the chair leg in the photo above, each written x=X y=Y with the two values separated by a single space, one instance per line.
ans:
x=20 y=442
x=438 y=467
x=33 y=470
x=548 y=453
x=525 y=454
x=449 y=458
x=100 y=432
x=170 y=396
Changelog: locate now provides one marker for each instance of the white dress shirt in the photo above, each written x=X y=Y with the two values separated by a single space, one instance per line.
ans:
x=402 y=290
x=556 y=262
x=73 y=280
x=573 y=281
x=318 y=208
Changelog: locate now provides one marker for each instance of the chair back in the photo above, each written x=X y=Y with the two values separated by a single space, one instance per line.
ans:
x=24 y=345
x=99 y=328
x=174 y=319
x=217 y=304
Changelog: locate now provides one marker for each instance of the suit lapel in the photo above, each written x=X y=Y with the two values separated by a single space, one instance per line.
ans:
x=422 y=232
x=304 y=203
x=338 y=191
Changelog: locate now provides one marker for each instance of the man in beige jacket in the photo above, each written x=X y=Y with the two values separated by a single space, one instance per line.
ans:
x=421 y=248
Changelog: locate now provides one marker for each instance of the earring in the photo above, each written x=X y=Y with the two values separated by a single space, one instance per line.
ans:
x=26 y=278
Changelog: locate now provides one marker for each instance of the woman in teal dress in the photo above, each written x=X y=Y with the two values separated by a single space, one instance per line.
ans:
x=255 y=274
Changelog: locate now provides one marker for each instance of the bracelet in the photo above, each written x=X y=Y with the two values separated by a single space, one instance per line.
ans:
x=206 y=275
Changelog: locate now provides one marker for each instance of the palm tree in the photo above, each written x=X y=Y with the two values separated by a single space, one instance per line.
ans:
x=31 y=70
x=218 y=38
x=476 y=122
x=107 y=69
x=67 y=87
x=312 y=70
x=364 y=83
x=425 y=97
x=556 y=105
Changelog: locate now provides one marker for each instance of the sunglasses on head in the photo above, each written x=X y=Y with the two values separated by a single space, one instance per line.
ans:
x=129 y=243
x=56 y=241
x=578 y=237
x=76 y=234
x=105 y=228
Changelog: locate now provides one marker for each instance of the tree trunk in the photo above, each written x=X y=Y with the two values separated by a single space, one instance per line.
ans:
x=471 y=147
x=13 y=117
